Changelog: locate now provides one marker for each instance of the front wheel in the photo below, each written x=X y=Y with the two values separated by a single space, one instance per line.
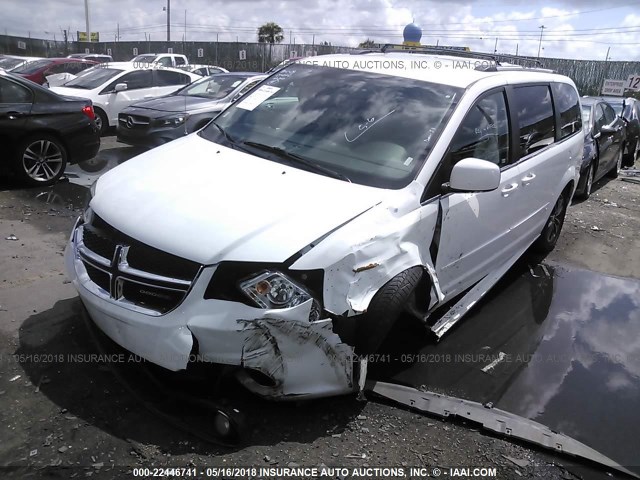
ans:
x=588 y=183
x=613 y=173
x=384 y=309
x=40 y=160
x=551 y=231
x=102 y=122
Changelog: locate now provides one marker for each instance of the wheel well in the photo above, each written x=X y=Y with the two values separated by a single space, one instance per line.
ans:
x=51 y=133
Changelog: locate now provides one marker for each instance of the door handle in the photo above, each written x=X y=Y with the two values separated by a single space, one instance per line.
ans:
x=14 y=115
x=526 y=180
x=508 y=189
x=148 y=96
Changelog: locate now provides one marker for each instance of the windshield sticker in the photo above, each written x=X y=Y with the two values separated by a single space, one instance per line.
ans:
x=257 y=97
x=408 y=161
x=280 y=76
x=363 y=127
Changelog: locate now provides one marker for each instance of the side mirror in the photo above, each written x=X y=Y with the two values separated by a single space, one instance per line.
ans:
x=608 y=129
x=120 y=87
x=474 y=175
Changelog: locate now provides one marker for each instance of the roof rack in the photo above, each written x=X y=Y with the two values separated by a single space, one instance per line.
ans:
x=461 y=52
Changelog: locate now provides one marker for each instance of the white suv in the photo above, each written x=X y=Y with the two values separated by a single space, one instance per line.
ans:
x=287 y=236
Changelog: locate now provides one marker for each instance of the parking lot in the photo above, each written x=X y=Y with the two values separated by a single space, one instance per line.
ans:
x=65 y=404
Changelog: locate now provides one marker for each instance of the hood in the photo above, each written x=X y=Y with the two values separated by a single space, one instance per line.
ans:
x=177 y=103
x=208 y=203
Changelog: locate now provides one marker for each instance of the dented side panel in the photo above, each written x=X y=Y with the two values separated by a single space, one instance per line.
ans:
x=371 y=250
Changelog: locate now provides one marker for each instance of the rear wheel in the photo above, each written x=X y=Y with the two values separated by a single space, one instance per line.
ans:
x=40 y=160
x=384 y=309
x=551 y=231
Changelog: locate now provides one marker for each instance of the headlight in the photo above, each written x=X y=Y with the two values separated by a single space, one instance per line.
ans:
x=274 y=290
x=172 y=121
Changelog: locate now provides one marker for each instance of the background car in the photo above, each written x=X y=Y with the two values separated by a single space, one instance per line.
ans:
x=629 y=109
x=39 y=70
x=604 y=143
x=11 y=62
x=154 y=122
x=114 y=86
x=43 y=131
x=165 y=59
x=96 y=57
x=204 y=70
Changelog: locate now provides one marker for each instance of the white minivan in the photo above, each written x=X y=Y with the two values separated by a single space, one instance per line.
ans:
x=287 y=236
x=114 y=86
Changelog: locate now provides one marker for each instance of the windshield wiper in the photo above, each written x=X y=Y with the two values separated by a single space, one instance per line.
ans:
x=226 y=135
x=282 y=153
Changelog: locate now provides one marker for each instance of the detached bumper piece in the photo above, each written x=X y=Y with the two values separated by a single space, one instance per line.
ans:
x=494 y=420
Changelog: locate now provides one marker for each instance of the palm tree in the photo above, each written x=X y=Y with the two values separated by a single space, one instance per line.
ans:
x=270 y=32
x=368 y=43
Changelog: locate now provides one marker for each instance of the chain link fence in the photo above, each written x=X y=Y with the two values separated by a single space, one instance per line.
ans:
x=588 y=75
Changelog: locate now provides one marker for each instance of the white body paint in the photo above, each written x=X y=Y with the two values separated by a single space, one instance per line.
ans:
x=210 y=204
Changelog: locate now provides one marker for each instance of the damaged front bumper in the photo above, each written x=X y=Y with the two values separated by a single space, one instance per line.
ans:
x=280 y=353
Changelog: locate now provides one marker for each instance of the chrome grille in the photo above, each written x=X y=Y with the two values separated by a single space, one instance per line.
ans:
x=133 y=121
x=137 y=275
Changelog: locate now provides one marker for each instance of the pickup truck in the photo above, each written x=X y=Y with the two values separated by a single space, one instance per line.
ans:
x=164 y=59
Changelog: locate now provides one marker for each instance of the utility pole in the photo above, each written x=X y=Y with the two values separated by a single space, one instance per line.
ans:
x=607 y=57
x=168 y=9
x=495 y=47
x=118 y=30
x=516 y=49
x=86 y=19
x=185 y=25
x=541 y=27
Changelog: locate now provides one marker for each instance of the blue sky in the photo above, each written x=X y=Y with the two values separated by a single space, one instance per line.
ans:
x=583 y=29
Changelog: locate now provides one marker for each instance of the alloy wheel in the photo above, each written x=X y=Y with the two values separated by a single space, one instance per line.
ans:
x=42 y=160
x=589 y=185
x=554 y=224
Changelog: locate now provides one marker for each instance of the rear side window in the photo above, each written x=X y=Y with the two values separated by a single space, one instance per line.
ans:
x=535 y=118
x=567 y=104
x=134 y=80
x=165 y=78
x=11 y=92
x=484 y=133
x=165 y=61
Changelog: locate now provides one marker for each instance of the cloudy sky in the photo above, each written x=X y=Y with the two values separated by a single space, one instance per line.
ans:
x=584 y=29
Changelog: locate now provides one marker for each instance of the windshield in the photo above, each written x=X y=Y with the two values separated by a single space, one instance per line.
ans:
x=145 y=58
x=9 y=63
x=32 y=67
x=216 y=87
x=93 y=78
x=372 y=128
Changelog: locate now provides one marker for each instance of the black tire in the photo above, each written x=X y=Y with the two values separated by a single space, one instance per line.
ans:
x=40 y=160
x=385 y=308
x=551 y=231
x=102 y=122
x=588 y=182
x=613 y=173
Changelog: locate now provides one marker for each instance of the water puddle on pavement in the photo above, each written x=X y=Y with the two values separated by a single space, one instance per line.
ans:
x=551 y=343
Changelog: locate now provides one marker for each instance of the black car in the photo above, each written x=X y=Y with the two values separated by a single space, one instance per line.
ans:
x=604 y=143
x=629 y=110
x=42 y=131
x=159 y=120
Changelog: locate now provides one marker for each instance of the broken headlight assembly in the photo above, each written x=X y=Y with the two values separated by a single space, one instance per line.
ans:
x=172 y=121
x=274 y=290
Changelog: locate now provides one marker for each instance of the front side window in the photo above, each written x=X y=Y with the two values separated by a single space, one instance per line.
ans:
x=567 y=103
x=366 y=127
x=484 y=133
x=609 y=114
x=180 y=61
x=165 y=61
x=535 y=118
x=134 y=80
x=165 y=78
x=11 y=92
x=599 y=119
